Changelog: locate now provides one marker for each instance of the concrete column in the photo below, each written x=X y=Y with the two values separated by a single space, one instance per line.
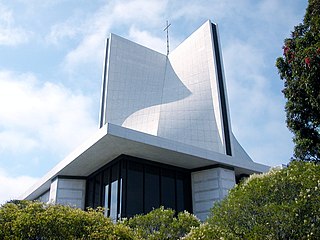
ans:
x=209 y=186
x=68 y=191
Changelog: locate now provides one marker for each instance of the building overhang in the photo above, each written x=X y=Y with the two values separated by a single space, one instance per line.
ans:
x=110 y=141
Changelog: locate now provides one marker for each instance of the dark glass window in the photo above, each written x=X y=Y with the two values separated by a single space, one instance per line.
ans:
x=129 y=186
x=168 y=188
x=114 y=191
x=90 y=192
x=106 y=181
x=123 y=188
x=97 y=192
x=180 y=186
x=134 y=188
x=106 y=200
x=120 y=197
x=152 y=188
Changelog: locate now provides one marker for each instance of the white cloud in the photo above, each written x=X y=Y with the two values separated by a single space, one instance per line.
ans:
x=89 y=51
x=38 y=115
x=191 y=10
x=96 y=28
x=244 y=64
x=288 y=17
x=12 y=187
x=61 y=31
x=16 y=141
x=140 y=11
x=257 y=110
x=10 y=34
x=146 y=39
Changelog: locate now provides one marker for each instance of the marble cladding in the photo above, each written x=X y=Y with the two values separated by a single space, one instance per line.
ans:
x=209 y=186
x=175 y=97
x=68 y=191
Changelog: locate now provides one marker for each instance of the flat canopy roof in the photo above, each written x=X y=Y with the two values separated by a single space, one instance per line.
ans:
x=110 y=141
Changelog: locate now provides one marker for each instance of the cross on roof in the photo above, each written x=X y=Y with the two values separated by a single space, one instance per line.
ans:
x=167 y=29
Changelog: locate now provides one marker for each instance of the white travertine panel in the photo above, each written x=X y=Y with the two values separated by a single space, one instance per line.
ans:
x=192 y=120
x=68 y=192
x=174 y=97
x=134 y=87
x=209 y=186
x=53 y=191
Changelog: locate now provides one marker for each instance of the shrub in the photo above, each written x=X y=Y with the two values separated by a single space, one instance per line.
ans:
x=162 y=224
x=207 y=231
x=281 y=204
x=35 y=220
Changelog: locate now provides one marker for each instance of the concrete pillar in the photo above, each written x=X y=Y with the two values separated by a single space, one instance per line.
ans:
x=68 y=191
x=209 y=186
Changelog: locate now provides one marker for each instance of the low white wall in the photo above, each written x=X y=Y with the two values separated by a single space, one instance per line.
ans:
x=68 y=192
x=209 y=186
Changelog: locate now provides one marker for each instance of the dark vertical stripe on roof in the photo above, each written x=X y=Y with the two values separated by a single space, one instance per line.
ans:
x=103 y=93
x=221 y=91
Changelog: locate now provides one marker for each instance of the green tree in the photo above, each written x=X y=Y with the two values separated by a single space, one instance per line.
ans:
x=35 y=220
x=300 y=69
x=162 y=224
x=281 y=204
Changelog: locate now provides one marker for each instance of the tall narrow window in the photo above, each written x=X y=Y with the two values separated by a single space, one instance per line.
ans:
x=120 y=198
x=152 y=188
x=97 y=192
x=106 y=200
x=106 y=182
x=114 y=191
x=90 y=192
x=134 y=188
x=168 y=188
x=180 y=186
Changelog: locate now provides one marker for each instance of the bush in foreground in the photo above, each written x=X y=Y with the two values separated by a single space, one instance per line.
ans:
x=35 y=220
x=281 y=204
x=162 y=223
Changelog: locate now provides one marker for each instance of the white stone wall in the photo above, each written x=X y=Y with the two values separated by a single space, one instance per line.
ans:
x=68 y=192
x=209 y=186
x=134 y=85
x=174 y=97
x=195 y=119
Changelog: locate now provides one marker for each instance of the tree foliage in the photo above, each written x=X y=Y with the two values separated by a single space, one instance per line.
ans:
x=162 y=223
x=300 y=69
x=35 y=220
x=281 y=204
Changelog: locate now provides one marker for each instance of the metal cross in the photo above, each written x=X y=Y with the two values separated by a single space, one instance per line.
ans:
x=167 y=29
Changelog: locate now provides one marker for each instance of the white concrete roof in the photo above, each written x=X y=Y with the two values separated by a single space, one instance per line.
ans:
x=180 y=97
x=111 y=141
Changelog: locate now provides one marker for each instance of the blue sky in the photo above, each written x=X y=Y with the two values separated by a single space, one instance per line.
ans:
x=51 y=57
